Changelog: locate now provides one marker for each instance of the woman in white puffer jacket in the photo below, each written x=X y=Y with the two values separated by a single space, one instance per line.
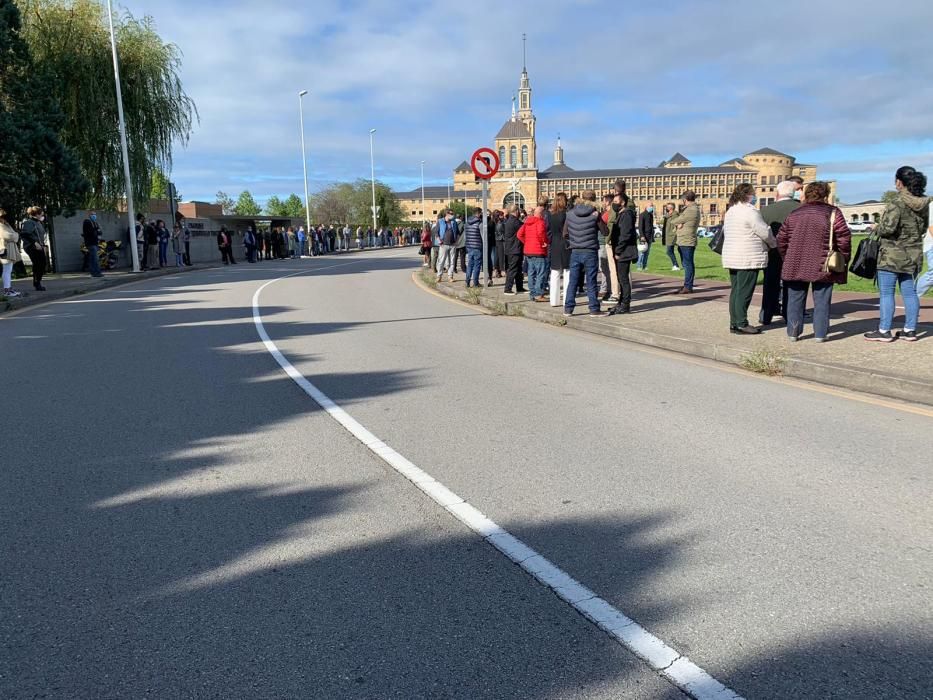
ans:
x=746 y=240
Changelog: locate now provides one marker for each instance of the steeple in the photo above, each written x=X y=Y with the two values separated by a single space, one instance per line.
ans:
x=524 y=88
x=559 y=153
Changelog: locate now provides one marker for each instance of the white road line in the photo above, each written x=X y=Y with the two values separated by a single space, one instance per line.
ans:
x=673 y=665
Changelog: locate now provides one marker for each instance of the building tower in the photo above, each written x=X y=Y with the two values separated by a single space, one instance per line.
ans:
x=559 y=153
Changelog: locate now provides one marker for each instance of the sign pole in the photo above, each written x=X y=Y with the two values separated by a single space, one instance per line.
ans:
x=486 y=230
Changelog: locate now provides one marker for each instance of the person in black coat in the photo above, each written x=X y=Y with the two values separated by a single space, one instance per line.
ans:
x=624 y=241
x=646 y=234
x=90 y=232
x=499 y=226
x=514 y=251
x=558 y=250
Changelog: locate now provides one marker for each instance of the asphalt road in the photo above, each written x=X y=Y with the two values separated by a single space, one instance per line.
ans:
x=180 y=520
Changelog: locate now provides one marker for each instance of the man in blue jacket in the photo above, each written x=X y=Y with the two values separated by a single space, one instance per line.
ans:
x=448 y=233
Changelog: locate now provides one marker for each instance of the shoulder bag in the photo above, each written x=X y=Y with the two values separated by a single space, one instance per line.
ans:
x=835 y=262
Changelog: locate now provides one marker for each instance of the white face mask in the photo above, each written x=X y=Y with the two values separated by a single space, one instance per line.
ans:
x=798 y=195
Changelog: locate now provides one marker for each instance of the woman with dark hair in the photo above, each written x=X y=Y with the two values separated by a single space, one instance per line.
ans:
x=900 y=258
x=558 y=250
x=35 y=242
x=804 y=245
x=746 y=240
x=623 y=243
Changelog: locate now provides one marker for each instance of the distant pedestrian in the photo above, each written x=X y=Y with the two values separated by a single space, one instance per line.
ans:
x=686 y=224
x=164 y=236
x=901 y=231
x=514 y=253
x=91 y=234
x=152 y=244
x=473 y=243
x=186 y=238
x=426 y=244
x=35 y=243
x=249 y=244
x=803 y=242
x=645 y=235
x=499 y=241
x=225 y=246
x=669 y=234
x=746 y=240
x=302 y=237
x=581 y=230
x=558 y=251
x=534 y=238
x=623 y=240
x=773 y=295
x=609 y=280
x=9 y=254
x=448 y=234
x=178 y=246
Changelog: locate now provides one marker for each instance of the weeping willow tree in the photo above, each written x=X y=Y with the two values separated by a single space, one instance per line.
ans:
x=70 y=43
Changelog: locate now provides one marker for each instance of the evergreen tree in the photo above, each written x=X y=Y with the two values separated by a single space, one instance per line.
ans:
x=293 y=207
x=246 y=205
x=275 y=206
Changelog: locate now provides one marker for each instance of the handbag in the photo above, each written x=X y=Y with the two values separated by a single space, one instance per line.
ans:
x=865 y=262
x=642 y=247
x=835 y=262
x=715 y=243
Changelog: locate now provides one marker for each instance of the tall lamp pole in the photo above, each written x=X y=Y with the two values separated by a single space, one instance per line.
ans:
x=134 y=252
x=304 y=160
x=424 y=218
x=372 y=174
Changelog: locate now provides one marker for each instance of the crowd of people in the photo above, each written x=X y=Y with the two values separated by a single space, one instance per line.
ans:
x=585 y=245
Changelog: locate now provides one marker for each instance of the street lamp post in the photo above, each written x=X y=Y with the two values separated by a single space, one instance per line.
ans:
x=134 y=252
x=424 y=219
x=372 y=173
x=304 y=160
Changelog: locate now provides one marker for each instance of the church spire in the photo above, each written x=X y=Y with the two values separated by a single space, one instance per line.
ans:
x=524 y=86
x=559 y=153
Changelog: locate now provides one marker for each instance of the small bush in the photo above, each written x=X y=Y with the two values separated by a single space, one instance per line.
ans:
x=473 y=295
x=765 y=362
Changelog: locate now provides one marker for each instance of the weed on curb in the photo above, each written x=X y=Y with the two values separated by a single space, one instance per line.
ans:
x=473 y=295
x=765 y=362
x=516 y=310
x=499 y=309
x=429 y=280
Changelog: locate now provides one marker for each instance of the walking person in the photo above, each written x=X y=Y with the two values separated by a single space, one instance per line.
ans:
x=35 y=243
x=773 y=298
x=514 y=253
x=901 y=232
x=686 y=224
x=558 y=251
x=164 y=237
x=473 y=240
x=90 y=233
x=9 y=255
x=581 y=231
x=809 y=234
x=747 y=239
x=645 y=234
x=448 y=234
x=623 y=240
x=669 y=235
x=534 y=237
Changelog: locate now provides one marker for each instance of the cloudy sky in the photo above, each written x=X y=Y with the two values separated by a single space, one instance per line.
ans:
x=840 y=83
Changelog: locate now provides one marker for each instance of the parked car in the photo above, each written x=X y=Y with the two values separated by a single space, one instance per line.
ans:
x=861 y=227
x=658 y=233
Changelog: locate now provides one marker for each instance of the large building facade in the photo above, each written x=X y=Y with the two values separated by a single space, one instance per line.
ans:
x=521 y=181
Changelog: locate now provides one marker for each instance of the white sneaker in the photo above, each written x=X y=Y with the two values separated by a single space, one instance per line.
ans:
x=12 y=293
x=675 y=269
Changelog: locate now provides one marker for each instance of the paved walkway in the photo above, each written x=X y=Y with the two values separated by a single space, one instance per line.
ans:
x=699 y=325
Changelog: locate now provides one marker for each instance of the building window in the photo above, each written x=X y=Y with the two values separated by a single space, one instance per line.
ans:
x=514 y=198
x=524 y=156
x=524 y=100
x=501 y=156
x=713 y=209
x=513 y=156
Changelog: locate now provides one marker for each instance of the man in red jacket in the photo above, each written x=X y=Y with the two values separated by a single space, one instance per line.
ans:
x=533 y=235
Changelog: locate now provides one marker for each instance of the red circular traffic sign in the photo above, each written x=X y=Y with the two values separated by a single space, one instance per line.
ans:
x=485 y=163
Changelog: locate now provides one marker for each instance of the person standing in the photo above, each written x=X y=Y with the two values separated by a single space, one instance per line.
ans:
x=448 y=234
x=35 y=242
x=90 y=232
x=346 y=237
x=249 y=243
x=225 y=246
x=746 y=240
x=141 y=250
x=499 y=239
x=302 y=237
x=426 y=245
x=473 y=236
x=164 y=236
x=925 y=283
x=9 y=255
x=513 y=252
x=623 y=240
x=178 y=246
x=186 y=237
x=803 y=242
x=558 y=251
x=773 y=301
x=581 y=230
x=534 y=237
x=685 y=225
x=669 y=235
x=901 y=231
x=645 y=234
x=152 y=243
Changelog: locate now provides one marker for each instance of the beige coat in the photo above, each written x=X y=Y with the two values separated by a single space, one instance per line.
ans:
x=10 y=242
x=746 y=239
x=685 y=226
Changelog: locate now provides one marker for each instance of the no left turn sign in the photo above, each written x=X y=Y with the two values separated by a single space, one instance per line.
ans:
x=485 y=163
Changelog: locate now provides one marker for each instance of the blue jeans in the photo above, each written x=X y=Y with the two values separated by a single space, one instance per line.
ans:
x=887 y=282
x=474 y=265
x=583 y=262
x=797 y=302
x=93 y=261
x=686 y=257
x=643 y=258
x=670 y=254
x=163 y=253
x=925 y=283
x=538 y=269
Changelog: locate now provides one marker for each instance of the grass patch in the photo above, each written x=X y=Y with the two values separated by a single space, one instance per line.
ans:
x=559 y=321
x=516 y=310
x=765 y=362
x=429 y=279
x=473 y=295
x=499 y=309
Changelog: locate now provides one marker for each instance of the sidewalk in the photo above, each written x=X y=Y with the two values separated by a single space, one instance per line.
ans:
x=698 y=325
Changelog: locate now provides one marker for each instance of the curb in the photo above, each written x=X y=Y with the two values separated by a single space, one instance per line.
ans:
x=836 y=376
